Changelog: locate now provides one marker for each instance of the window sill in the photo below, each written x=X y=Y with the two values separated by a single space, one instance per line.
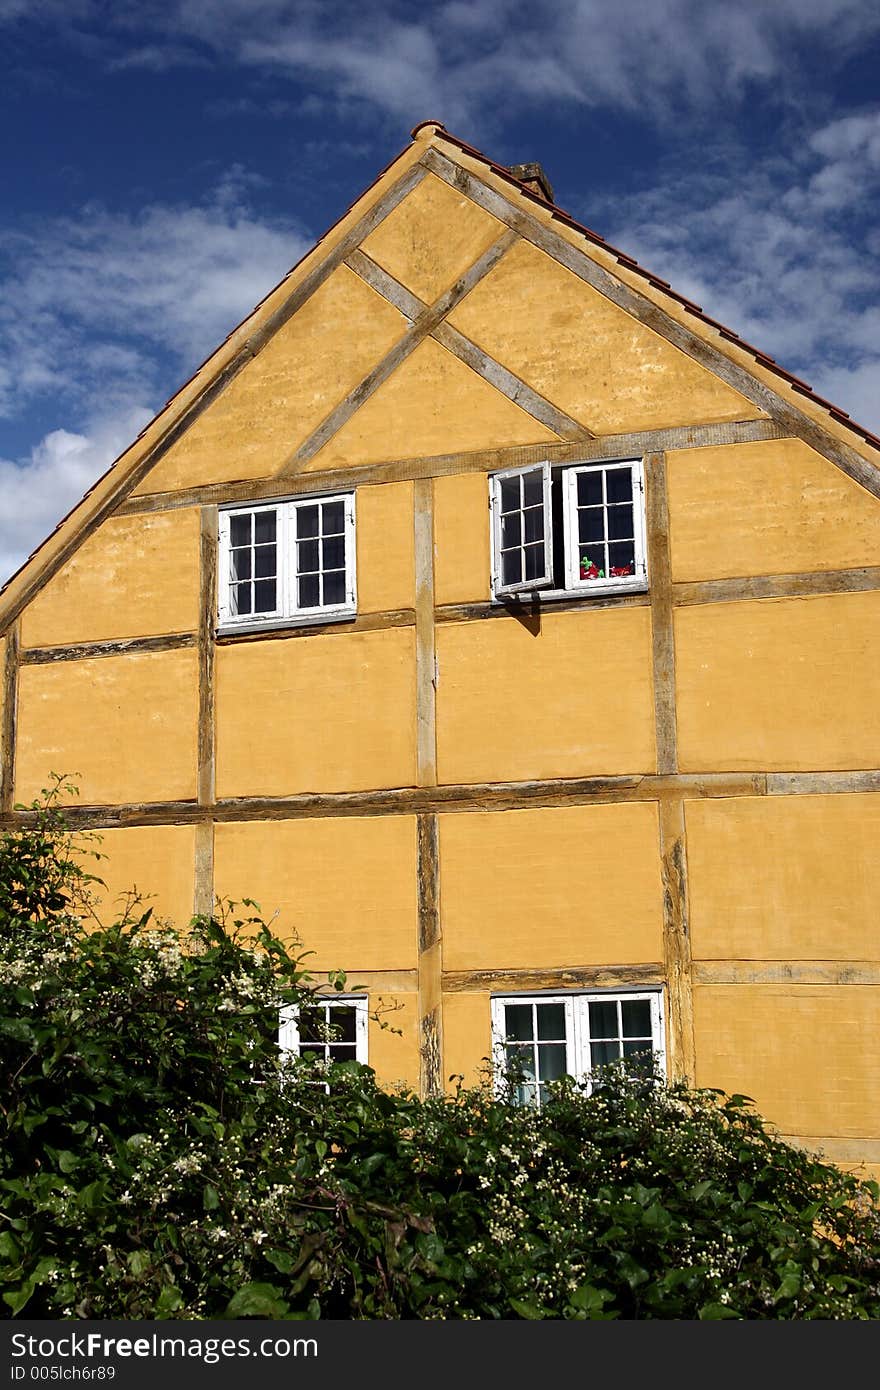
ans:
x=300 y=620
x=599 y=588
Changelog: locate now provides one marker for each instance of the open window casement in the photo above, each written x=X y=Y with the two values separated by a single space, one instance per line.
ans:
x=522 y=549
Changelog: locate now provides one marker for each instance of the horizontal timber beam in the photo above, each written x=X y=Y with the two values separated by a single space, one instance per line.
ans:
x=777 y=586
x=566 y=977
x=608 y=446
x=129 y=646
x=791 y=972
x=467 y=797
x=837 y=1149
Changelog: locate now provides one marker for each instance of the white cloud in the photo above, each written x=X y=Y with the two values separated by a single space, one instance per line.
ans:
x=36 y=492
x=768 y=250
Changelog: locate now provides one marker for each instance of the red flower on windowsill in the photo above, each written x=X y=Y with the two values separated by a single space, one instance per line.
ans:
x=590 y=570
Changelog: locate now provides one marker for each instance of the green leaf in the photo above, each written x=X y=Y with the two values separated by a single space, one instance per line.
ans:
x=281 y=1259
x=210 y=1198
x=170 y=1301
x=320 y=1149
x=257 y=1301
x=533 y=1312
x=713 y=1312
x=588 y=1299
x=699 y=1190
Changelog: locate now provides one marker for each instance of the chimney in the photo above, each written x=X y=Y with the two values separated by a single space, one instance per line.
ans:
x=532 y=177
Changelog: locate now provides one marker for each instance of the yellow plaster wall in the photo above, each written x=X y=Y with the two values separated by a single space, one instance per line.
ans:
x=575 y=700
x=346 y=887
x=467 y=1036
x=155 y=861
x=560 y=887
x=585 y=354
x=462 y=563
x=809 y=1055
x=779 y=684
x=784 y=877
x=321 y=714
x=432 y=404
x=385 y=548
x=776 y=507
x=393 y=1052
x=432 y=237
x=123 y=727
x=278 y=399
x=136 y=576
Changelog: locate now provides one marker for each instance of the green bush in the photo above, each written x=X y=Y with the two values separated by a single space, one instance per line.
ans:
x=157 y=1160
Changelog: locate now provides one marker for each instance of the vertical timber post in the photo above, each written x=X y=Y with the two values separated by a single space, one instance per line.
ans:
x=10 y=718
x=428 y=871
x=673 y=838
x=203 y=890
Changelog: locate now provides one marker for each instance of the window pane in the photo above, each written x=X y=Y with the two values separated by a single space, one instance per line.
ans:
x=603 y=1019
x=636 y=1018
x=510 y=495
x=264 y=527
x=311 y=1026
x=592 y=562
x=551 y=1022
x=240 y=599
x=341 y=1018
x=264 y=562
x=518 y=1021
x=306 y=521
x=602 y=1053
x=521 y=1062
x=618 y=483
x=638 y=1058
x=334 y=587
x=620 y=523
x=511 y=567
x=534 y=519
x=589 y=487
x=240 y=564
x=533 y=489
x=621 y=558
x=240 y=529
x=534 y=561
x=307 y=557
x=333 y=553
x=511 y=530
x=264 y=596
x=551 y=1061
x=525 y=1095
x=309 y=591
x=333 y=523
x=591 y=524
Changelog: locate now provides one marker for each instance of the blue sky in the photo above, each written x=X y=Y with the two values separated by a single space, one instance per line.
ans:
x=168 y=160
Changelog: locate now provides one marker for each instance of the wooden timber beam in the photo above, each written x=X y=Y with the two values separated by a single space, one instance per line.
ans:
x=203 y=885
x=676 y=939
x=608 y=446
x=8 y=726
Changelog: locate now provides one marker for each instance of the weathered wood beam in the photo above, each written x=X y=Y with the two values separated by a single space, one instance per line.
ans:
x=676 y=939
x=646 y=311
x=565 y=977
x=466 y=351
x=837 y=1149
x=217 y=385
x=8 y=726
x=609 y=446
x=203 y=888
x=463 y=797
x=426 y=657
x=426 y=320
x=128 y=646
x=430 y=958
x=821 y=783
x=791 y=972
x=778 y=586
x=660 y=590
x=508 y=608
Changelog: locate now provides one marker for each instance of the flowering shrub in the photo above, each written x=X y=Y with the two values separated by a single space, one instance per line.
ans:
x=157 y=1160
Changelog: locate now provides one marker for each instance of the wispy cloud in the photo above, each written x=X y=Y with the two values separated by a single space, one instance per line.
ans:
x=102 y=306
x=783 y=252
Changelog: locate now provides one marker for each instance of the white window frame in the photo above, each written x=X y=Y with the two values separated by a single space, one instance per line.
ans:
x=524 y=585
x=577 y=1024
x=288 y=1024
x=287 y=610
x=574 y=586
